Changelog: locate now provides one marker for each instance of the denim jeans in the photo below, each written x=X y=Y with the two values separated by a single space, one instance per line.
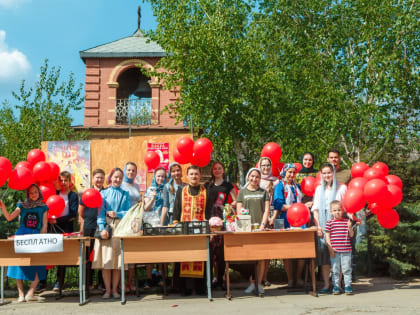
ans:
x=341 y=261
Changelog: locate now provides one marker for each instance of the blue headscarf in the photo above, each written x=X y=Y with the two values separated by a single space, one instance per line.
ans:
x=126 y=179
x=324 y=207
x=158 y=188
x=285 y=168
x=170 y=179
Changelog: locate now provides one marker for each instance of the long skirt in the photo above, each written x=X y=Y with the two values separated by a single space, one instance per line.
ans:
x=26 y=272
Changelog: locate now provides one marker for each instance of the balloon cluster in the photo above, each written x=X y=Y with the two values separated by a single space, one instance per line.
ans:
x=382 y=192
x=197 y=153
x=34 y=170
x=273 y=151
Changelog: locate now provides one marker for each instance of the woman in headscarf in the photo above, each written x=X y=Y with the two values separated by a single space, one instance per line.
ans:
x=288 y=192
x=307 y=159
x=169 y=192
x=328 y=191
x=153 y=204
x=33 y=220
x=129 y=184
x=257 y=201
x=269 y=183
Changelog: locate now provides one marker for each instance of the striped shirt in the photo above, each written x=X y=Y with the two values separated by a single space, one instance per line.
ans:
x=339 y=234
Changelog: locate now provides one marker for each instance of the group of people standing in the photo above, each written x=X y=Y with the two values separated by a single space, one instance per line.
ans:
x=168 y=200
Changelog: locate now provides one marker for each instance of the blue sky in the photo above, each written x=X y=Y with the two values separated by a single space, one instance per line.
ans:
x=33 y=30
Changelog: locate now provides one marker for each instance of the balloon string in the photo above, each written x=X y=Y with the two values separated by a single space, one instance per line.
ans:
x=4 y=193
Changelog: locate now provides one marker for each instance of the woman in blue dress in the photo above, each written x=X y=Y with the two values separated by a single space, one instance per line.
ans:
x=33 y=220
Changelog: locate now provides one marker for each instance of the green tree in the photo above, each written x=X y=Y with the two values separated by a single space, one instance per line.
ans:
x=352 y=71
x=217 y=65
x=41 y=110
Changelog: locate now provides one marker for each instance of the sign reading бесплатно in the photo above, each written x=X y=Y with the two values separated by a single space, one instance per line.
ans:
x=38 y=243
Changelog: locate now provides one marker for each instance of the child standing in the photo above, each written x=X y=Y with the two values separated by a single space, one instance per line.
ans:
x=338 y=233
x=33 y=220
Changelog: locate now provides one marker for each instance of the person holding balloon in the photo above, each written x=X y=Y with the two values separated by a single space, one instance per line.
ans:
x=338 y=232
x=219 y=191
x=64 y=223
x=257 y=201
x=87 y=218
x=328 y=191
x=269 y=183
x=169 y=191
x=130 y=173
x=116 y=203
x=287 y=193
x=33 y=220
x=153 y=204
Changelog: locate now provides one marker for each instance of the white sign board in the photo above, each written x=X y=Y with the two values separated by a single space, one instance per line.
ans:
x=38 y=243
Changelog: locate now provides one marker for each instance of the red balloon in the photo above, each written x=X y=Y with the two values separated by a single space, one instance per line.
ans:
x=203 y=145
x=25 y=164
x=6 y=165
x=358 y=183
x=373 y=173
x=42 y=171
x=180 y=158
x=200 y=159
x=92 y=198
x=375 y=208
x=20 y=179
x=152 y=159
x=376 y=191
x=394 y=180
x=388 y=219
x=358 y=169
x=55 y=170
x=298 y=214
x=354 y=200
x=298 y=167
x=396 y=195
x=4 y=175
x=308 y=186
x=275 y=170
x=185 y=146
x=273 y=151
x=35 y=155
x=55 y=205
x=47 y=190
x=381 y=166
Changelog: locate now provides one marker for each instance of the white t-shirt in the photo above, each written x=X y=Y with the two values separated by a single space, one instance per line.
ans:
x=66 y=207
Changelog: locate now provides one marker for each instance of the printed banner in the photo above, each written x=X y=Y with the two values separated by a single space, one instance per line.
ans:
x=74 y=157
x=162 y=149
x=38 y=243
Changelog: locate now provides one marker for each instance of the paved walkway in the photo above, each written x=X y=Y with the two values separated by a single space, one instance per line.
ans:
x=372 y=296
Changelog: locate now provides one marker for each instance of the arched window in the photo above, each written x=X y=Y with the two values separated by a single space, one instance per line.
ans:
x=134 y=98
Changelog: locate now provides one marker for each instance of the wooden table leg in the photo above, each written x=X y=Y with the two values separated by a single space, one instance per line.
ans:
x=122 y=273
x=228 y=296
x=2 y=288
x=313 y=292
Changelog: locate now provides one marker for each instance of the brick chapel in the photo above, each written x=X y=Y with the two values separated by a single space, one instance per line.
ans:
x=120 y=101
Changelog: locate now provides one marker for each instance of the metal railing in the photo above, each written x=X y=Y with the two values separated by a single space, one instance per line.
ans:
x=133 y=111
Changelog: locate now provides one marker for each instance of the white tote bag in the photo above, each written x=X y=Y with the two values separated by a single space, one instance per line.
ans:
x=130 y=224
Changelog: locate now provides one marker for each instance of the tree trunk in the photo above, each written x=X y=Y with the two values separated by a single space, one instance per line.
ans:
x=239 y=161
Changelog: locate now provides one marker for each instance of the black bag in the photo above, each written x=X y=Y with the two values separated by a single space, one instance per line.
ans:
x=106 y=228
